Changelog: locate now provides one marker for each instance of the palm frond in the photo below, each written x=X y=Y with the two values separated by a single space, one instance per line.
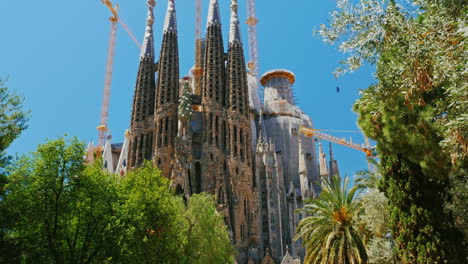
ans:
x=327 y=233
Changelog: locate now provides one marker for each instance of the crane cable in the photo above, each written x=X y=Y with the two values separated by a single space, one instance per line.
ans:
x=346 y=131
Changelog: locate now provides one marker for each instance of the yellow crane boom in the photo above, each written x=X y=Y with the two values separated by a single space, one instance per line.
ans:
x=310 y=132
x=114 y=18
x=102 y=128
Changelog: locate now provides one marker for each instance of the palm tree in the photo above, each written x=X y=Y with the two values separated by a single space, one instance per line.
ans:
x=328 y=233
x=368 y=179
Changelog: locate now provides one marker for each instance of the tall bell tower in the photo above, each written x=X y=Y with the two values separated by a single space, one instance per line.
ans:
x=141 y=123
x=167 y=95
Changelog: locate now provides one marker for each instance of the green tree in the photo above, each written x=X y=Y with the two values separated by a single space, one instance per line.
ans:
x=329 y=232
x=207 y=238
x=380 y=251
x=417 y=112
x=373 y=221
x=55 y=209
x=459 y=203
x=151 y=218
x=13 y=121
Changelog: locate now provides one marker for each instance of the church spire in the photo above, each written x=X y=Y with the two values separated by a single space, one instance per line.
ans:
x=262 y=141
x=302 y=161
x=238 y=90
x=322 y=162
x=214 y=73
x=170 y=23
x=141 y=134
x=167 y=94
x=334 y=171
x=234 y=30
x=213 y=13
x=303 y=173
x=147 y=49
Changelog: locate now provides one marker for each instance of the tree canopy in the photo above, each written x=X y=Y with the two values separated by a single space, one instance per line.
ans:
x=329 y=231
x=13 y=120
x=417 y=112
x=57 y=209
x=373 y=221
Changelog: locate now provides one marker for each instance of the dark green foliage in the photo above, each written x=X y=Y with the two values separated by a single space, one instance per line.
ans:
x=12 y=116
x=417 y=114
x=459 y=203
x=421 y=228
x=56 y=209
x=12 y=122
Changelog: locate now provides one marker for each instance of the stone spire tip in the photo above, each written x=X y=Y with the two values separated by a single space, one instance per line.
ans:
x=331 y=151
x=234 y=29
x=214 y=17
x=302 y=157
x=322 y=162
x=170 y=23
x=147 y=49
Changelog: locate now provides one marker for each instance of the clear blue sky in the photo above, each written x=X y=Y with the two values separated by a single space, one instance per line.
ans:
x=55 y=54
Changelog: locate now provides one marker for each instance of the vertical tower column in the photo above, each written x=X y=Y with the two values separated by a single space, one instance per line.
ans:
x=141 y=123
x=334 y=170
x=323 y=168
x=167 y=95
x=246 y=220
x=303 y=177
x=214 y=168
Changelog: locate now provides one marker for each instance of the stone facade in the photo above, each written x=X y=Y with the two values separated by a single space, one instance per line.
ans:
x=203 y=143
x=223 y=140
x=141 y=124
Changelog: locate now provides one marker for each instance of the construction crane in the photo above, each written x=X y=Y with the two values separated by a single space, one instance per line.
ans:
x=253 y=50
x=198 y=70
x=310 y=132
x=102 y=128
x=114 y=19
x=115 y=16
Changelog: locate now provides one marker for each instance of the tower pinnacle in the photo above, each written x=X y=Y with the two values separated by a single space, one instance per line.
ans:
x=302 y=162
x=334 y=171
x=234 y=31
x=147 y=49
x=322 y=162
x=141 y=135
x=170 y=23
x=262 y=141
x=213 y=13
x=303 y=177
x=167 y=95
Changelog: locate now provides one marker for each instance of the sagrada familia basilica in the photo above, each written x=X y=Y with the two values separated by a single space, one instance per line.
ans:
x=218 y=137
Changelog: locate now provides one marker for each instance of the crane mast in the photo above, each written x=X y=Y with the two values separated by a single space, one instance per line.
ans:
x=102 y=128
x=310 y=132
x=197 y=70
x=253 y=49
